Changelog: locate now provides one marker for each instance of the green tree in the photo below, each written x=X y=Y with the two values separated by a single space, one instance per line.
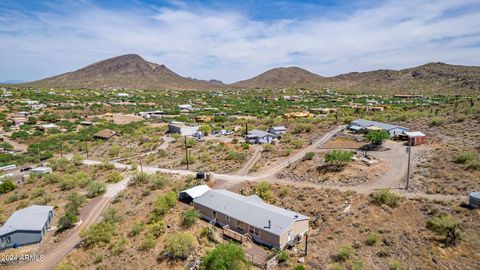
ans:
x=205 y=129
x=100 y=233
x=377 y=137
x=67 y=221
x=111 y=215
x=228 y=256
x=96 y=188
x=338 y=157
x=6 y=186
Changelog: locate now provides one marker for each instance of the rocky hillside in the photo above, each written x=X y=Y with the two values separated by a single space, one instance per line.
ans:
x=126 y=71
x=433 y=78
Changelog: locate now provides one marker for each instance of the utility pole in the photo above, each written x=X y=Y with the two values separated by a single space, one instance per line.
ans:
x=186 y=151
x=38 y=154
x=408 y=168
x=61 y=147
x=306 y=244
x=246 y=128
x=86 y=145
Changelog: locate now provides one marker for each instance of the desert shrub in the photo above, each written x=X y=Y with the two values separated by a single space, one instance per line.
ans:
x=191 y=159
x=163 y=203
x=357 y=265
x=284 y=191
x=297 y=143
x=97 y=234
x=137 y=228
x=336 y=266
x=68 y=182
x=268 y=148
x=77 y=160
x=299 y=267
x=282 y=256
x=111 y=215
x=15 y=197
x=224 y=256
x=309 y=155
x=190 y=217
x=344 y=253
x=473 y=164
x=435 y=122
x=38 y=192
x=159 y=181
x=105 y=166
x=139 y=178
x=98 y=258
x=52 y=178
x=158 y=228
x=74 y=201
x=465 y=157
x=147 y=243
x=245 y=146
x=302 y=128
x=395 y=265
x=338 y=157
x=114 y=177
x=447 y=226
x=96 y=188
x=264 y=191
x=179 y=245
x=67 y=221
x=372 y=239
x=119 y=246
x=208 y=232
x=385 y=196
x=377 y=136
x=234 y=155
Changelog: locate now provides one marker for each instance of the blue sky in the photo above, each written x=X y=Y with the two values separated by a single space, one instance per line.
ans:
x=234 y=40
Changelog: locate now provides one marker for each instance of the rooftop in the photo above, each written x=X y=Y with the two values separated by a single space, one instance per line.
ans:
x=32 y=218
x=258 y=133
x=250 y=209
x=367 y=123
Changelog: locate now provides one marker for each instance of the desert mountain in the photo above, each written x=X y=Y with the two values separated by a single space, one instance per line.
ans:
x=132 y=71
x=125 y=71
x=283 y=77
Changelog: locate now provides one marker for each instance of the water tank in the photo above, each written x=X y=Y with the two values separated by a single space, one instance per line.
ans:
x=474 y=199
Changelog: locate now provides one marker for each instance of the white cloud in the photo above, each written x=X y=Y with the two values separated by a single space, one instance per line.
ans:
x=208 y=43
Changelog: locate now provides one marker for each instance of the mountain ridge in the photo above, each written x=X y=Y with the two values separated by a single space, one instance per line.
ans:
x=133 y=72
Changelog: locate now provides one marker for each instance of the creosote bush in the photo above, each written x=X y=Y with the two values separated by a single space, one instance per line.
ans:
x=385 y=196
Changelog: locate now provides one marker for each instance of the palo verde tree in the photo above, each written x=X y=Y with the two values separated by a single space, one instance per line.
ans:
x=377 y=137
x=338 y=157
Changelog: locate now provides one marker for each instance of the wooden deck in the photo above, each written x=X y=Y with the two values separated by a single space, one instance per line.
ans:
x=235 y=235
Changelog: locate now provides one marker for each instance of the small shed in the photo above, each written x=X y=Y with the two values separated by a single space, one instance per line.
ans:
x=416 y=138
x=41 y=170
x=278 y=130
x=188 y=195
x=105 y=134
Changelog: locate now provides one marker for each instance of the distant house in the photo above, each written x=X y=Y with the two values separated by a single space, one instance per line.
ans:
x=185 y=107
x=87 y=123
x=366 y=125
x=26 y=226
x=416 y=138
x=259 y=137
x=249 y=215
x=41 y=170
x=151 y=114
x=46 y=127
x=278 y=130
x=182 y=129
x=104 y=134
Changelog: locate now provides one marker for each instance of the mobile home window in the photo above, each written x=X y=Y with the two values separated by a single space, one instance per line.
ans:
x=9 y=240
x=251 y=230
x=214 y=214
x=227 y=218
x=257 y=231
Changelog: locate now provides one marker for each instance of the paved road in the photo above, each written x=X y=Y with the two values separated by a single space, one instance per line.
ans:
x=89 y=215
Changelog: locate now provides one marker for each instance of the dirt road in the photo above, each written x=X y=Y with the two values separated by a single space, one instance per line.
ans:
x=249 y=164
x=89 y=215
